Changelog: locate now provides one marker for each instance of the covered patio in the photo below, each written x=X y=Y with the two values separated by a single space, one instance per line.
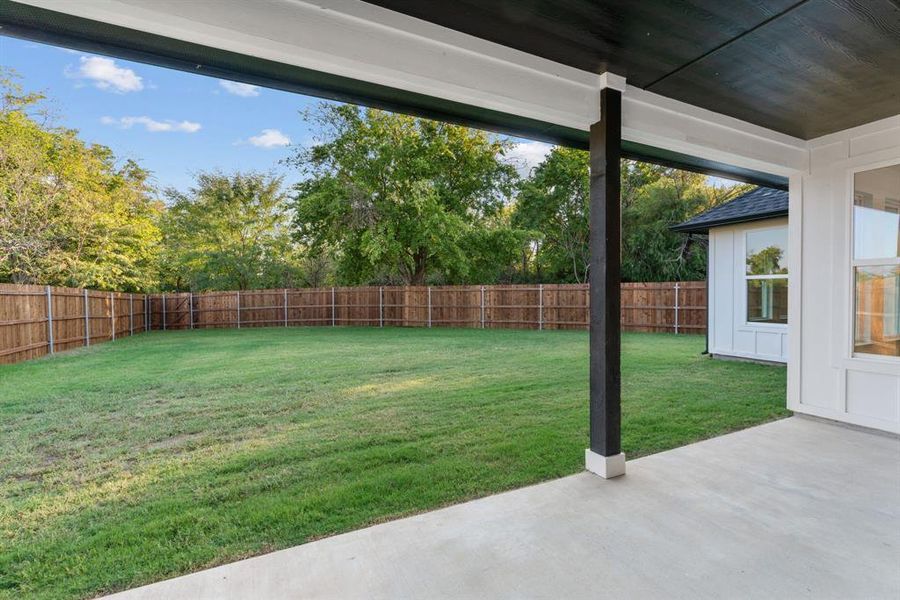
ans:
x=793 y=95
x=797 y=508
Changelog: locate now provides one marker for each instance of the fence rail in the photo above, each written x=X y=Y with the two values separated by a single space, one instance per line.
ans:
x=37 y=320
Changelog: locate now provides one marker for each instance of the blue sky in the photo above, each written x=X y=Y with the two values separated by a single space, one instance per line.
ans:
x=174 y=123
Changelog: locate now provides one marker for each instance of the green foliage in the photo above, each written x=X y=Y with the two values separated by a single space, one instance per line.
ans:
x=555 y=201
x=401 y=198
x=229 y=232
x=68 y=214
x=651 y=251
x=385 y=198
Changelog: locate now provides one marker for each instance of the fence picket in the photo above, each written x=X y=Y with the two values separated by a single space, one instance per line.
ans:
x=49 y=319
x=87 y=320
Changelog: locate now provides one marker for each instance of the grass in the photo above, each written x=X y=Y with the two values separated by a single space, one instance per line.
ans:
x=149 y=457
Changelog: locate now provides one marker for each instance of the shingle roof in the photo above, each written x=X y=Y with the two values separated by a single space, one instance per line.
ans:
x=761 y=203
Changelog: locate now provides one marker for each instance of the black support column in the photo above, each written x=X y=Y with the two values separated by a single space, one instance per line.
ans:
x=604 y=456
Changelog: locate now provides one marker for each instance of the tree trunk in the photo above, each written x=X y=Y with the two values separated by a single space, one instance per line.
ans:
x=419 y=269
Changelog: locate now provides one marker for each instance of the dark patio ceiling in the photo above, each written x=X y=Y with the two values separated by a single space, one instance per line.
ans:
x=803 y=68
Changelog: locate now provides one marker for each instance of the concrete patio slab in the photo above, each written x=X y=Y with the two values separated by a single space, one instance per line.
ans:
x=792 y=509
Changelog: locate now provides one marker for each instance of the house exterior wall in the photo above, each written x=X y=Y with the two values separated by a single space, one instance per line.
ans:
x=730 y=333
x=824 y=376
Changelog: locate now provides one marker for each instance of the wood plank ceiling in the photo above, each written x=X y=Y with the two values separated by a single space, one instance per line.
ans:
x=805 y=68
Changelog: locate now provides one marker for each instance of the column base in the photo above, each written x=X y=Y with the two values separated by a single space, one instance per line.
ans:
x=606 y=467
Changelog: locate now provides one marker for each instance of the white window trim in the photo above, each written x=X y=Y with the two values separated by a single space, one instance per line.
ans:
x=746 y=321
x=852 y=263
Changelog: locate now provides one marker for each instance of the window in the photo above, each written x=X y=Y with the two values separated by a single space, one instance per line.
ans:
x=766 y=274
x=876 y=261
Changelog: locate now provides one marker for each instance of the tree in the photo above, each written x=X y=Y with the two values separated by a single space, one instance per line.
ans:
x=651 y=251
x=68 y=214
x=229 y=232
x=403 y=198
x=555 y=201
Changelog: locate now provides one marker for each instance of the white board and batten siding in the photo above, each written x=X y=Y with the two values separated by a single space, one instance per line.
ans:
x=731 y=334
x=825 y=377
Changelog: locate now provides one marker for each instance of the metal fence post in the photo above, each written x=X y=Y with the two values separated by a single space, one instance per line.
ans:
x=333 y=319
x=112 y=316
x=541 y=306
x=164 y=312
x=87 y=321
x=285 y=308
x=381 y=306
x=49 y=318
x=191 y=308
x=239 y=309
x=429 y=306
x=131 y=314
x=677 y=287
x=482 y=307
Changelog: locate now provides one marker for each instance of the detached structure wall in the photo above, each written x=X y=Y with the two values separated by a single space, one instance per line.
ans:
x=748 y=275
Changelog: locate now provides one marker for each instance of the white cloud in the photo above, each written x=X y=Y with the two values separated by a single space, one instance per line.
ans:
x=152 y=125
x=527 y=155
x=239 y=89
x=269 y=138
x=107 y=75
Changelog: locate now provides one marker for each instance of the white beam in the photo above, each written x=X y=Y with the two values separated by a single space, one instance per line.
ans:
x=361 y=41
x=364 y=42
x=655 y=120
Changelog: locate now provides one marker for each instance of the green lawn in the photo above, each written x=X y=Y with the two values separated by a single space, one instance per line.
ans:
x=157 y=455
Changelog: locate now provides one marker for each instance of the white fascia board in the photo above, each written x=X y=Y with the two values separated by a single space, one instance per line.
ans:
x=655 y=120
x=361 y=41
x=364 y=42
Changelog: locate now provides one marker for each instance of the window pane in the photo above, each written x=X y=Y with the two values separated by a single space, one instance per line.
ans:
x=767 y=251
x=878 y=310
x=767 y=300
x=876 y=213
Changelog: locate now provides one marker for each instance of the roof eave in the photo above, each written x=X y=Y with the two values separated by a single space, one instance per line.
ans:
x=706 y=226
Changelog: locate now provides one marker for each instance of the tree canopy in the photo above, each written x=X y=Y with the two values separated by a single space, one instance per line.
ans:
x=69 y=215
x=228 y=232
x=555 y=201
x=397 y=197
x=384 y=198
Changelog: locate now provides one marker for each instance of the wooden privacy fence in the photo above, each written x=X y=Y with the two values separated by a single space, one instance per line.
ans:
x=676 y=307
x=37 y=320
